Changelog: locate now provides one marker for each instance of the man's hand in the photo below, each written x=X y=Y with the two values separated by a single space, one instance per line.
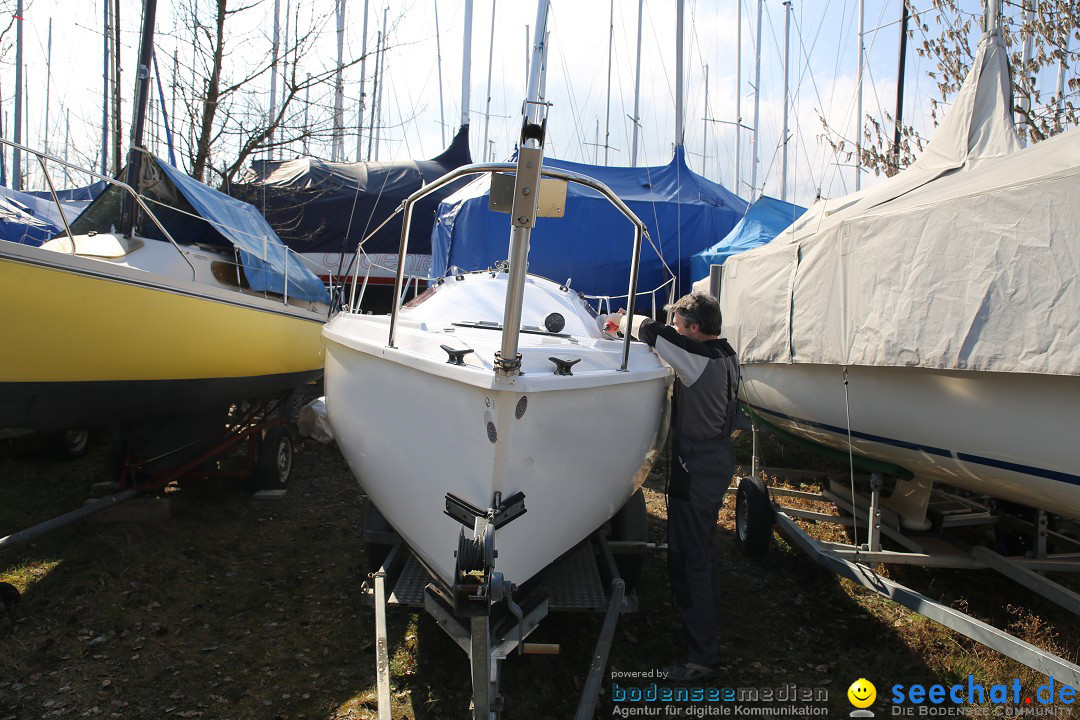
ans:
x=612 y=323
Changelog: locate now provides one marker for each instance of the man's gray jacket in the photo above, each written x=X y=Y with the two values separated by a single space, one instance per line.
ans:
x=706 y=397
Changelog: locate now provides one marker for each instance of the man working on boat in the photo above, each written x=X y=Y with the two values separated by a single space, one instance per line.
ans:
x=702 y=462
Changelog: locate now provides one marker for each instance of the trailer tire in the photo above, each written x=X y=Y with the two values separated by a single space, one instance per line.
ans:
x=754 y=516
x=275 y=458
x=9 y=596
x=631 y=523
x=69 y=444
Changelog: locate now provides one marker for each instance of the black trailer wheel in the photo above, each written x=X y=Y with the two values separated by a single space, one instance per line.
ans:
x=753 y=516
x=631 y=523
x=9 y=596
x=275 y=460
x=377 y=536
x=69 y=444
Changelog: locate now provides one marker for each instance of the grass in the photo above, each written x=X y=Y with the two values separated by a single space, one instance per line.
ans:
x=239 y=609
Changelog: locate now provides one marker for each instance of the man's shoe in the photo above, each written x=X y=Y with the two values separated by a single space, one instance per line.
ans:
x=688 y=672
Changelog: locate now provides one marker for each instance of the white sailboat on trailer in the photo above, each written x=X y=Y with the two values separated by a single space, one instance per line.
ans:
x=493 y=398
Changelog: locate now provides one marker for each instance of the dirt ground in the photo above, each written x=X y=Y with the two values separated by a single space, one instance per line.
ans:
x=236 y=608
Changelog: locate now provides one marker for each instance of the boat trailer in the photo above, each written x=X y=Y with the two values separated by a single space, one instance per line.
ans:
x=481 y=612
x=758 y=508
x=259 y=427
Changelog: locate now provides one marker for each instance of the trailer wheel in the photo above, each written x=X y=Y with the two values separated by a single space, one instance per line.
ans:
x=69 y=444
x=9 y=596
x=753 y=516
x=375 y=525
x=631 y=523
x=275 y=460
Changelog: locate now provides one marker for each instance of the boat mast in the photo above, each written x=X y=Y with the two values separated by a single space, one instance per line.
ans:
x=637 y=87
x=381 y=69
x=543 y=77
x=375 y=91
x=738 y=97
x=900 y=86
x=337 y=151
x=363 y=72
x=16 y=159
x=285 y=66
x=705 y=123
x=142 y=87
x=48 y=86
x=438 y=64
x=607 y=117
x=487 y=106
x=466 y=64
x=105 y=92
x=26 y=125
x=858 y=102
x=757 y=107
x=787 y=73
x=67 y=137
x=527 y=179
x=307 y=106
x=679 y=73
x=117 y=120
x=274 y=77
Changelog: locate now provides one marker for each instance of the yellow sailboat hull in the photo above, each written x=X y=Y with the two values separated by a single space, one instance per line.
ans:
x=86 y=347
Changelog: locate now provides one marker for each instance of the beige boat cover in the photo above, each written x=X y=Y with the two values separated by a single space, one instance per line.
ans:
x=969 y=259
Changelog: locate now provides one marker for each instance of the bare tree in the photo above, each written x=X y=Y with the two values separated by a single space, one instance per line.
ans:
x=949 y=37
x=223 y=91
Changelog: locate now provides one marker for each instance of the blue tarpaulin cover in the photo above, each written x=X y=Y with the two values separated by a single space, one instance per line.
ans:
x=83 y=194
x=319 y=206
x=765 y=219
x=196 y=213
x=264 y=257
x=593 y=243
x=23 y=221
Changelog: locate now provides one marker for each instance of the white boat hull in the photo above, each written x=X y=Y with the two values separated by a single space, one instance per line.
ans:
x=414 y=428
x=1008 y=435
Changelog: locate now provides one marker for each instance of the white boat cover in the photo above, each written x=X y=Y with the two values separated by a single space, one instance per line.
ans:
x=967 y=260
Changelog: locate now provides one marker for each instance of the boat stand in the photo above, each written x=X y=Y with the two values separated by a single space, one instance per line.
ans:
x=941 y=549
x=572 y=584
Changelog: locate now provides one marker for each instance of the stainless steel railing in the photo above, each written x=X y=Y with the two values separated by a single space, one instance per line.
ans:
x=640 y=231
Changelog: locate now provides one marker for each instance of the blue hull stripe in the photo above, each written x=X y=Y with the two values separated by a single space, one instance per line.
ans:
x=929 y=449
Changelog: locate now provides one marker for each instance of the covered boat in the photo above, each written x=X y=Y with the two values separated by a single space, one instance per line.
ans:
x=324 y=209
x=763 y=221
x=930 y=320
x=683 y=211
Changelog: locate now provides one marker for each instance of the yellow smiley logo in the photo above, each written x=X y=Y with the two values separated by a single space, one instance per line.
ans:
x=862 y=693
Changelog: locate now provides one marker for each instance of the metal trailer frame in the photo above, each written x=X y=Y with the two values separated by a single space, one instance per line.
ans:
x=401 y=581
x=951 y=511
x=261 y=416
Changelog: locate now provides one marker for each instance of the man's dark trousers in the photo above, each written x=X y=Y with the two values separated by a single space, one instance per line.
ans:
x=694 y=501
